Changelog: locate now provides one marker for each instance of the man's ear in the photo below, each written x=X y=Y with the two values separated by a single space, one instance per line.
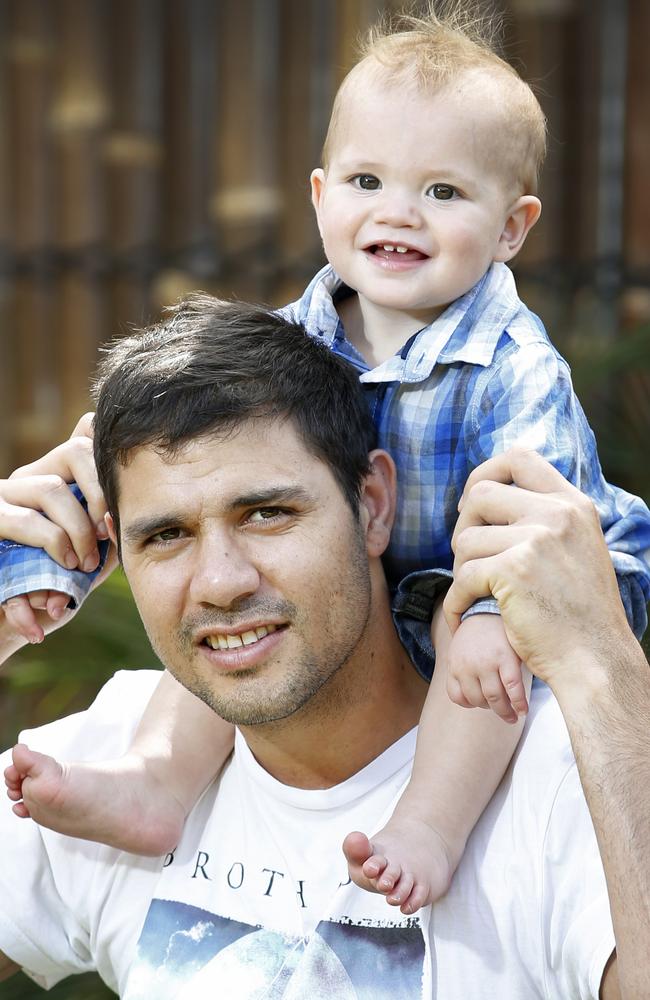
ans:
x=377 y=504
x=112 y=533
x=317 y=181
x=522 y=216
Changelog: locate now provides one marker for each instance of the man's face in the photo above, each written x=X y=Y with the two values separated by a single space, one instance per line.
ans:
x=248 y=567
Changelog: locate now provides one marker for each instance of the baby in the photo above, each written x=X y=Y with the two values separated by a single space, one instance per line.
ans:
x=428 y=186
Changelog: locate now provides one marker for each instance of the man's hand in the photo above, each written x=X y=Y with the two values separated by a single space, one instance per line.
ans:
x=538 y=548
x=37 y=508
x=67 y=532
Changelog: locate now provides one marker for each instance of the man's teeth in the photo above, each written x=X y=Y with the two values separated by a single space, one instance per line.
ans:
x=247 y=638
x=392 y=248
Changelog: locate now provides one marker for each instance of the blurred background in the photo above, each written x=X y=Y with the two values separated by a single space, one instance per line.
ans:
x=151 y=147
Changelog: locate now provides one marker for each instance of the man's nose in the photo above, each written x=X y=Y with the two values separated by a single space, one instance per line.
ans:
x=223 y=572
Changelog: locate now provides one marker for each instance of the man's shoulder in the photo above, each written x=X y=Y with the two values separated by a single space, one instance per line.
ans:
x=106 y=727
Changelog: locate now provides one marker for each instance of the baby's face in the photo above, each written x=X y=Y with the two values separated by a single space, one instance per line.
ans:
x=413 y=205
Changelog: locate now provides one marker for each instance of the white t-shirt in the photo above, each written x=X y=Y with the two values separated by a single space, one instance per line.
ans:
x=256 y=903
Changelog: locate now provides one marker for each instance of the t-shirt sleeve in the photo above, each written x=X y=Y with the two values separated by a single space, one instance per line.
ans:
x=576 y=924
x=46 y=879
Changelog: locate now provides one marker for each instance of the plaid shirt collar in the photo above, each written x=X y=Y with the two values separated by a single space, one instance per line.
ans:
x=485 y=311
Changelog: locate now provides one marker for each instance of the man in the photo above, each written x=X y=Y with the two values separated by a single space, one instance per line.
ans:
x=245 y=497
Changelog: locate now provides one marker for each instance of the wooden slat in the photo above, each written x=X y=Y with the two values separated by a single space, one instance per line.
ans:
x=133 y=152
x=78 y=120
x=30 y=53
x=637 y=168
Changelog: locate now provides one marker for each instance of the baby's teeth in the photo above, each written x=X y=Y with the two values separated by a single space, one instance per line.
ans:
x=401 y=249
x=388 y=246
x=248 y=638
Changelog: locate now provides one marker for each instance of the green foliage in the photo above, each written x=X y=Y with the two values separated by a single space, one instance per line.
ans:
x=88 y=987
x=63 y=674
x=612 y=380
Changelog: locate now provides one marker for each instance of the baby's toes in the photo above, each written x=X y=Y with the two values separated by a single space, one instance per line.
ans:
x=416 y=899
x=401 y=890
x=389 y=878
x=374 y=866
x=13 y=779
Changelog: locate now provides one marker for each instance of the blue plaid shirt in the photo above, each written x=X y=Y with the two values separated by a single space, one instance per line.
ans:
x=481 y=378
x=24 y=569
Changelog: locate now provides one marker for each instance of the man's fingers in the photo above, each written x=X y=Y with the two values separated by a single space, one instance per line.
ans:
x=481 y=541
x=84 y=426
x=522 y=467
x=72 y=461
x=471 y=581
x=65 y=533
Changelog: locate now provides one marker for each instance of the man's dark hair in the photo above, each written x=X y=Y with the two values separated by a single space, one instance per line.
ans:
x=211 y=365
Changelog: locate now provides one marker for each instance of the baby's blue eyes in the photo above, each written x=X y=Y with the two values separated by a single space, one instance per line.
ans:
x=442 y=192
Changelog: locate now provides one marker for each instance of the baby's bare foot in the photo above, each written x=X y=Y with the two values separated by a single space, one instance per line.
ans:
x=114 y=802
x=408 y=862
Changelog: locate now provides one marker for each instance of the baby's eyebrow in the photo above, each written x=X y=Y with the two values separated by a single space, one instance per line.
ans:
x=359 y=166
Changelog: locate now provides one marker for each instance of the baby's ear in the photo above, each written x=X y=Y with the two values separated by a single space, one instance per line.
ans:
x=317 y=181
x=522 y=216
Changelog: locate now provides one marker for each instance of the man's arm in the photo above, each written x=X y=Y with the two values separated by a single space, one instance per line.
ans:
x=537 y=546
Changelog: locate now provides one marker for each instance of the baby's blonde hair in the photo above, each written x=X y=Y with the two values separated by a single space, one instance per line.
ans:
x=428 y=52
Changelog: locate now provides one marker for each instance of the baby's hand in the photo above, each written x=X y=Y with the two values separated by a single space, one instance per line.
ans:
x=20 y=612
x=483 y=669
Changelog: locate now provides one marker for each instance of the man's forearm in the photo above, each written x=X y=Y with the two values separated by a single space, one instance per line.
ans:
x=535 y=543
x=609 y=726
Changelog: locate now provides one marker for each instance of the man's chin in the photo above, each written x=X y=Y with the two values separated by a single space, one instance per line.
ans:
x=255 y=707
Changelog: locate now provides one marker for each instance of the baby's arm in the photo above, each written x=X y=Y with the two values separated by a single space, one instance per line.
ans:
x=460 y=759
x=139 y=802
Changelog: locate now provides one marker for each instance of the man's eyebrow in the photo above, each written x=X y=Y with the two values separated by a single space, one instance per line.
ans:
x=145 y=527
x=269 y=495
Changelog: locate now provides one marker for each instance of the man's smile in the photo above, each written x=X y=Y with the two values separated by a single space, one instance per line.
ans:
x=220 y=640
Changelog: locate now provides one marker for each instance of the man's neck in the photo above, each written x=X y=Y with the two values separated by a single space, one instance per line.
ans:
x=372 y=700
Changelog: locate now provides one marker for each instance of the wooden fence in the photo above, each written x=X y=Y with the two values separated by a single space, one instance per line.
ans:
x=154 y=146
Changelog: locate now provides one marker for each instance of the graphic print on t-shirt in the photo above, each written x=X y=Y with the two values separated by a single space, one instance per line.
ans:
x=187 y=953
